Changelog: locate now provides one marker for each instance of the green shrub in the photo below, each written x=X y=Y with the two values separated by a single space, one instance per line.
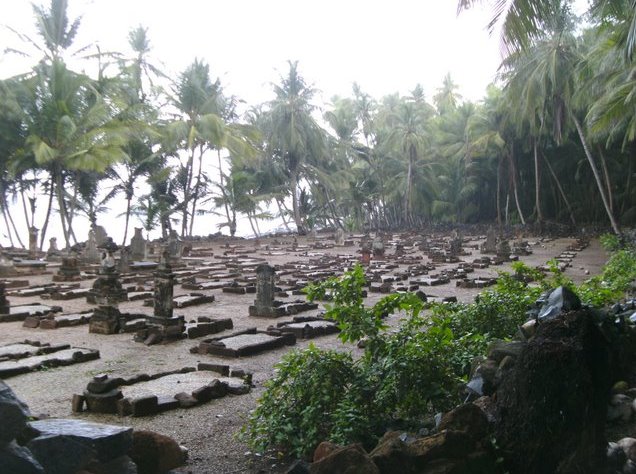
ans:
x=298 y=407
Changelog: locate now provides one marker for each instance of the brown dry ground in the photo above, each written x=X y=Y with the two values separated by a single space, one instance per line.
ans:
x=208 y=431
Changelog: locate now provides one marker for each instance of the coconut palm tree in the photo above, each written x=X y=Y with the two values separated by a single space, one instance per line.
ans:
x=292 y=135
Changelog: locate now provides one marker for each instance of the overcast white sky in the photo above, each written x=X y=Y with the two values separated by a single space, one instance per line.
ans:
x=386 y=46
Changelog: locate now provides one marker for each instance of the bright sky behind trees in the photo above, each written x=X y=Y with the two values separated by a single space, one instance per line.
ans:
x=386 y=46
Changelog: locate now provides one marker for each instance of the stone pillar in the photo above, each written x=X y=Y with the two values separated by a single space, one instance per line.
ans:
x=91 y=254
x=101 y=236
x=124 y=260
x=164 y=289
x=107 y=292
x=33 y=242
x=490 y=245
x=265 y=289
x=378 y=247
x=137 y=245
x=163 y=325
x=174 y=245
x=340 y=237
x=4 y=303
x=53 y=251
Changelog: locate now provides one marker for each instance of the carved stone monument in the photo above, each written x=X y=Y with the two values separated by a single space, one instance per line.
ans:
x=52 y=252
x=455 y=247
x=107 y=292
x=490 y=244
x=137 y=246
x=4 y=303
x=91 y=254
x=378 y=247
x=101 y=235
x=33 y=242
x=124 y=260
x=69 y=270
x=265 y=290
x=163 y=325
x=175 y=246
x=503 y=250
x=339 y=237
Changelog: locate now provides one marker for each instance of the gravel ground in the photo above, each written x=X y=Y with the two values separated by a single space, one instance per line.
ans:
x=208 y=431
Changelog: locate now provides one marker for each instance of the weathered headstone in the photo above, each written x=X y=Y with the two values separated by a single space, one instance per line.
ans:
x=91 y=254
x=378 y=247
x=124 y=260
x=33 y=242
x=100 y=235
x=137 y=245
x=6 y=267
x=107 y=292
x=52 y=251
x=163 y=325
x=4 y=303
x=490 y=244
x=265 y=291
x=175 y=245
x=455 y=243
x=503 y=250
x=340 y=237
x=69 y=270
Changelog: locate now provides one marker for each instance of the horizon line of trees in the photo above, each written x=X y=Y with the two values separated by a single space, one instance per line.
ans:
x=554 y=140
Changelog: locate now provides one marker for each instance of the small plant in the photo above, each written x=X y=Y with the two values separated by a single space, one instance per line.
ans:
x=610 y=242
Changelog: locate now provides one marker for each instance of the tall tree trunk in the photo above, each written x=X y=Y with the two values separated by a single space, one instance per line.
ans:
x=606 y=175
x=49 y=208
x=630 y=169
x=282 y=215
x=498 y=196
x=224 y=192
x=295 y=205
x=6 y=223
x=128 y=204
x=513 y=171
x=599 y=183
x=62 y=208
x=537 y=185
x=186 y=190
x=560 y=188
x=197 y=190
x=409 y=178
x=249 y=218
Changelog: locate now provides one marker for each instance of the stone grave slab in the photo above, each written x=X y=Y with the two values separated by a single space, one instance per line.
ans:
x=70 y=294
x=306 y=327
x=73 y=355
x=10 y=284
x=205 y=326
x=143 y=394
x=19 y=350
x=192 y=299
x=244 y=343
x=207 y=284
x=58 y=320
x=20 y=312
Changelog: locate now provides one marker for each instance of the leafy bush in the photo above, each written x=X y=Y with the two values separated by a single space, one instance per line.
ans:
x=298 y=409
x=610 y=242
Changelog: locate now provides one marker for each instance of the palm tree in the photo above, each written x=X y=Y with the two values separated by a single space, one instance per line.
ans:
x=411 y=139
x=291 y=133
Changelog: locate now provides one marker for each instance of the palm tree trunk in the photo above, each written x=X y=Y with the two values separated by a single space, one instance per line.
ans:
x=29 y=222
x=128 y=204
x=498 y=197
x=223 y=192
x=295 y=205
x=282 y=215
x=197 y=187
x=6 y=223
x=537 y=185
x=560 y=188
x=48 y=212
x=249 y=218
x=606 y=175
x=409 y=177
x=599 y=183
x=513 y=171
x=630 y=169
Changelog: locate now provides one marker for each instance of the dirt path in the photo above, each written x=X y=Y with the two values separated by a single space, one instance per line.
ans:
x=207 y=430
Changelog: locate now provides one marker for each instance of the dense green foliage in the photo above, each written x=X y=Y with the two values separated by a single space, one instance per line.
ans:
x=405 y=374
